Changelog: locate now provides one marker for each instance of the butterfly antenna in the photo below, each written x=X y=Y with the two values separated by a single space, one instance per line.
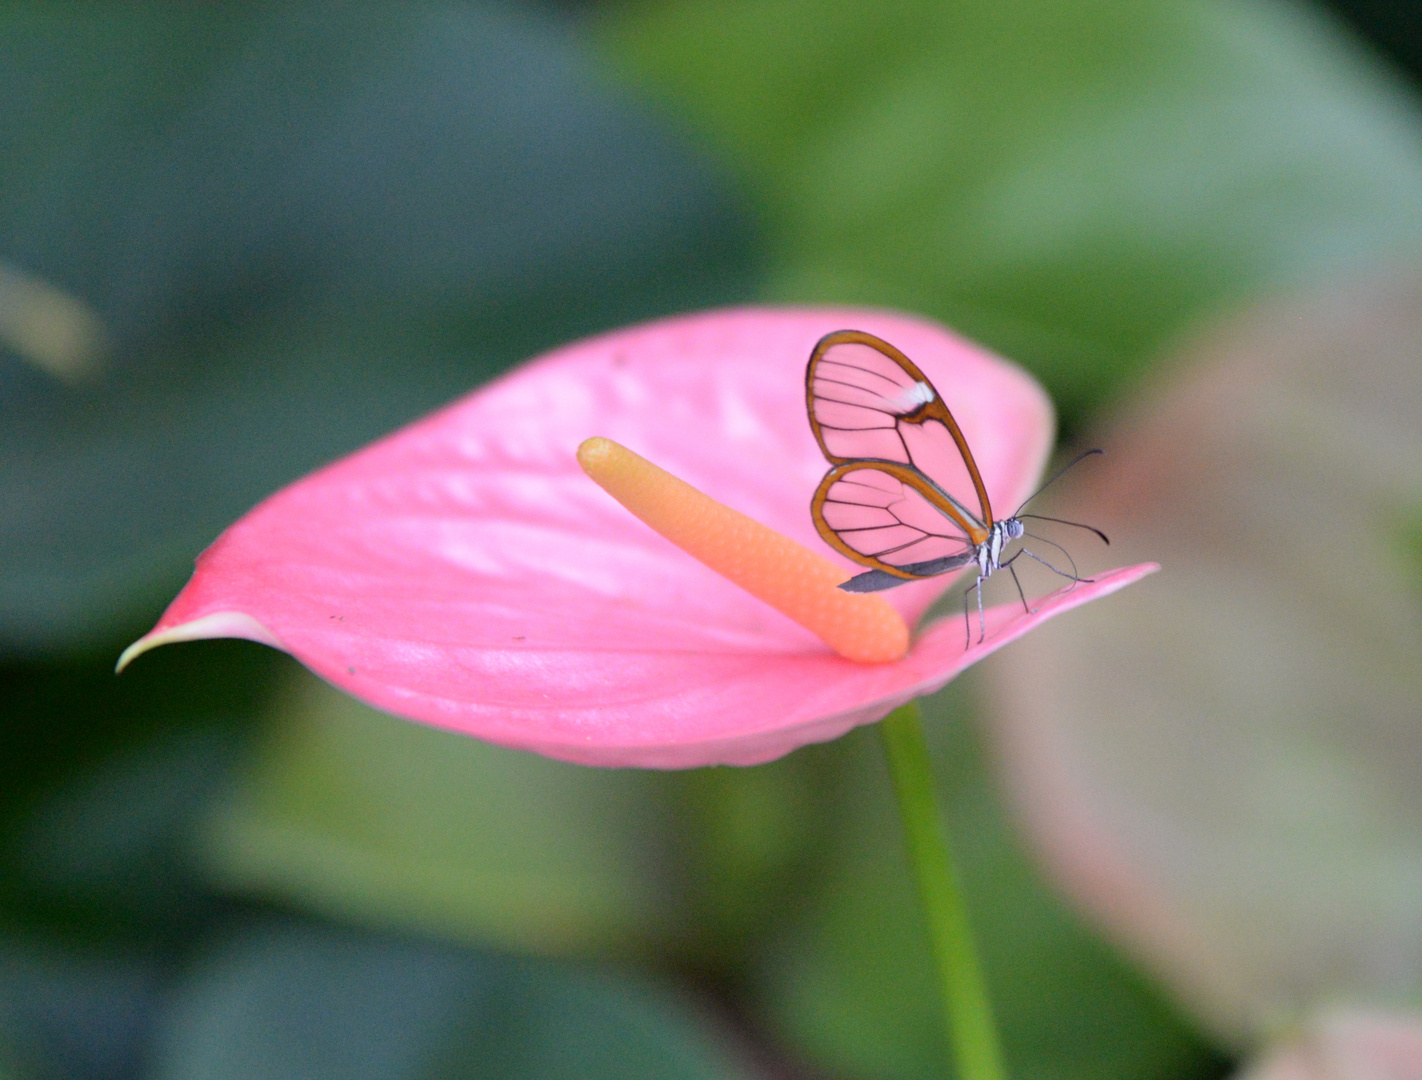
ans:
x=1062 y=521
x=1059 y=474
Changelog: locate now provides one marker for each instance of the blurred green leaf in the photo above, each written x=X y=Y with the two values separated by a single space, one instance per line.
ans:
x=747 y=840
x=72 y=1013
x=351 y=812
x=1071 y=181
x=103 y=785
x=1409 y=537
x=852 y=985
x=377 y=818
x=104 y=782
x=298 y=226
x=114 y=844
x=306 y=1002
x=1394 y=28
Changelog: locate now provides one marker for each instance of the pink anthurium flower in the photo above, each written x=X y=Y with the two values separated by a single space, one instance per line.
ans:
x=466 y=573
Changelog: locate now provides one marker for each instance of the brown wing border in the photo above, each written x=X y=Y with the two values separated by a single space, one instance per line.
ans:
x=931 y=410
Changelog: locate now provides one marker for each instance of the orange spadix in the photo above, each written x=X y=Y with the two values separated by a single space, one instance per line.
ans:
x=796 y=581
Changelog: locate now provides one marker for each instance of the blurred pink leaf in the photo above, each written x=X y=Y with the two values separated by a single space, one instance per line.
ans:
x=464 y=572
x=1350 y=1045
x=1226 y=767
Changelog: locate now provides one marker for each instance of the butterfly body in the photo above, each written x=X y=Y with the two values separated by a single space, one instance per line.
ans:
x=897 y=457
x=989 y=552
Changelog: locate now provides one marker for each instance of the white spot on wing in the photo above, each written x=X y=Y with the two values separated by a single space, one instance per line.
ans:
x=911 y=397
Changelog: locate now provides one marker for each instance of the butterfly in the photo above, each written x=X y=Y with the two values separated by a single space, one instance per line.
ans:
x=897 y=454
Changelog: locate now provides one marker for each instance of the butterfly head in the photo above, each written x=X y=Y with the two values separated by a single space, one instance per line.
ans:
x=989 y=552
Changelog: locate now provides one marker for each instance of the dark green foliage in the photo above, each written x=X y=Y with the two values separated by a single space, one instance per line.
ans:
x=300 y=226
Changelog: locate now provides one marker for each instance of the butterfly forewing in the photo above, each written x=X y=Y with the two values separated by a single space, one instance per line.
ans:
x=856 y=397
x=897 y=497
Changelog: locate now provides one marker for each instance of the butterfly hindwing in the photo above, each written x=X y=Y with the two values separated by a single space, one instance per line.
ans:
x=889 y=517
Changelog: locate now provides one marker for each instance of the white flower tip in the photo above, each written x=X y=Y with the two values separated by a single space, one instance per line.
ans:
x=220 y=624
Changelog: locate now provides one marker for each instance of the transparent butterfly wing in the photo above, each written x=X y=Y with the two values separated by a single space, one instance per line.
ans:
x=887 y=516
x=894 y=500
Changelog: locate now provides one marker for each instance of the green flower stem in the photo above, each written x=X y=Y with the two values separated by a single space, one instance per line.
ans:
x=971 y=1032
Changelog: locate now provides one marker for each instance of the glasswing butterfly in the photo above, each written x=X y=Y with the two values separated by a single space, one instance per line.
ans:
x=896 y=455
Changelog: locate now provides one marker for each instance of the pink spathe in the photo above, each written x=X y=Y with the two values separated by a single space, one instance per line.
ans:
x=464 y=572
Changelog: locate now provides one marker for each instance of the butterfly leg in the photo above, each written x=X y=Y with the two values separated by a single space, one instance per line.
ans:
x=967 y=618
x=982 y=620
x=1060 y=573
x=1017 y=582
x=1075 y=574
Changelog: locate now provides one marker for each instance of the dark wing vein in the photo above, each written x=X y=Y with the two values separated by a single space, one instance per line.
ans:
x=886 y=427
x=900 y=547
x=851 y=386
x=855 y=367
